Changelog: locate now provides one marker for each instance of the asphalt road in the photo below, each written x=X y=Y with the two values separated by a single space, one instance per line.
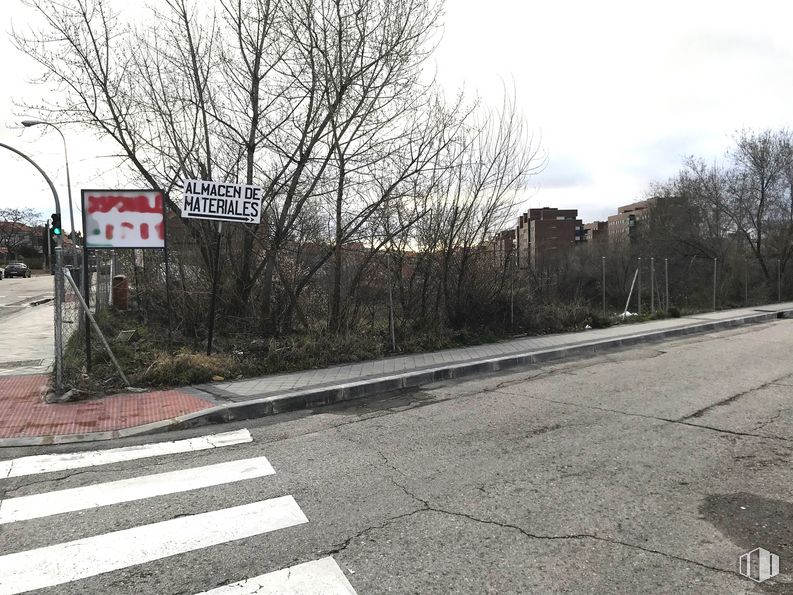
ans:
x=648 y=470
x=26 y=331
x=16 y=293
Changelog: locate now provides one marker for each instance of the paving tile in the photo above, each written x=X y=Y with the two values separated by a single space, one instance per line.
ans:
x=23 y=413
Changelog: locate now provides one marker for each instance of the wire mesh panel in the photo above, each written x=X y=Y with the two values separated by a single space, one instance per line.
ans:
x=102 y=280
x=82 y=347
x=72 y=329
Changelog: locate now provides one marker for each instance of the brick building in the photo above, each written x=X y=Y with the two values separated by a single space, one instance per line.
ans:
x=502 y=246
x=626 y=224
x=544 y=234
x=596 y=231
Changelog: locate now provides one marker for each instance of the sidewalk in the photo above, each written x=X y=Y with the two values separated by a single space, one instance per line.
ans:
x=25 y=420
x=26 y=343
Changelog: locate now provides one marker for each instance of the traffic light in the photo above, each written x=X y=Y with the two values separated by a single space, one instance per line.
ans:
x=56 y=224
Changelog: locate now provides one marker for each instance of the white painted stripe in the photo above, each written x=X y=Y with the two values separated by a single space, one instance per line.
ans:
x=320 y=577
x=77 y=460
x=74 y=560
x=127 y=490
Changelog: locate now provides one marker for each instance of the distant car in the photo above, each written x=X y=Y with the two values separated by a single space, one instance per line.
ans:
x=16 y=269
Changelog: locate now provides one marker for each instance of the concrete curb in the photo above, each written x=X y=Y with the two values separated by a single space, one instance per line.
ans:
x=41 y=301
x=267 y=405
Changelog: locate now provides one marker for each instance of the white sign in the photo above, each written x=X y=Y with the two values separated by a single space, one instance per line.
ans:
x=223 y=202
x=123 y=219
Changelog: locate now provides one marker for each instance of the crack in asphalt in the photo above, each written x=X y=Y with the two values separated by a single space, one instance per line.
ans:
x=190 y=456
x=771 y=420
x=427 y=507
x=50 y=480
x=579 y=536
x=379 y=453
x=646 y=416
x=338 y=548
x=359 y=418
x=567 y=368
x=731 y=432
x=731 y=399
x=9 y=469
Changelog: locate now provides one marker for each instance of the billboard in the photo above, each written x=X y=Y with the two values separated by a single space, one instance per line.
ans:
x=123 y=218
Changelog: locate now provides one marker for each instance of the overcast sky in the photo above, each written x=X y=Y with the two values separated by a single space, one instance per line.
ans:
x=619 y=92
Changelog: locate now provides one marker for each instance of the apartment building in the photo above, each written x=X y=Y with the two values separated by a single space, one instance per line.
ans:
x=596 y=231
x=544 y=234
x=626 y=224
x=503 y=245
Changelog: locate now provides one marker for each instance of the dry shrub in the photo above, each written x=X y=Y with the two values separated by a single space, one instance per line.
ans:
x=187 y=368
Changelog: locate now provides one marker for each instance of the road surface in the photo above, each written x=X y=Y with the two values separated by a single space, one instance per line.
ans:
x=649 y=470
x=16 y=293
x=26 y=332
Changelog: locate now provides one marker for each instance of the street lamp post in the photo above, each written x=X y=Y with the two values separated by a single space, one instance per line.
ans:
x=58 y=275
x=28 y=124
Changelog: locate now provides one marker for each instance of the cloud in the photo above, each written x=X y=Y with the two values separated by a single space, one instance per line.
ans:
x=659 y=158
x=563 y=171
x=729 y=45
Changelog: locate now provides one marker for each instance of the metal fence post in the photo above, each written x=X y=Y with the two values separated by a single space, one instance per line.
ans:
x=666 y=284
x=603 y=260
x=391 y=321
x=511 y=292
x=778 y=280
x=639 y=288
x=745 y=281
x=87 y=278
x=715 y=264
x=652 y=285
x=58 y=315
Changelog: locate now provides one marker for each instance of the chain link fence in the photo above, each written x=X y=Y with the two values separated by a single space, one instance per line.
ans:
x=175 y=314
x=82 y=343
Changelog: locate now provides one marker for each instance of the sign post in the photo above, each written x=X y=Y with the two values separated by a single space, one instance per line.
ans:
x=213 y=296
x=220 y=201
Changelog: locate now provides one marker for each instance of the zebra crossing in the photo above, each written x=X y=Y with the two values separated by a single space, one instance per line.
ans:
x=66 y=562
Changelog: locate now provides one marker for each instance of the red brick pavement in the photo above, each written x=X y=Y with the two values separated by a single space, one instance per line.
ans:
x=23 y=414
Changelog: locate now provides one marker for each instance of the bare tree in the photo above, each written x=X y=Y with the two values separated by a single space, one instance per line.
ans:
x=477 y=197
x=16 y=229
x=322 y=103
